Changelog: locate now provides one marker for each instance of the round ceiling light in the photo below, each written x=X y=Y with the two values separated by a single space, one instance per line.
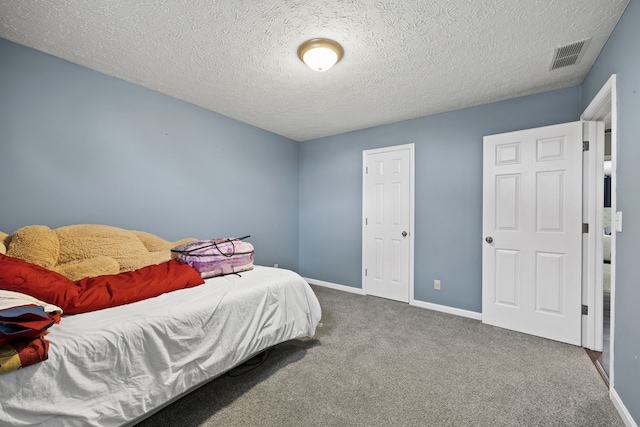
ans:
x=320 y=54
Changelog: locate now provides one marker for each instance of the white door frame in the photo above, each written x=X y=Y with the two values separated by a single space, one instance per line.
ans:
x=601 y=105
x=412 y=182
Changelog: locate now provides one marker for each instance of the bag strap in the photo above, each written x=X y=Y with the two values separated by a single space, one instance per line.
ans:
x=224 y=254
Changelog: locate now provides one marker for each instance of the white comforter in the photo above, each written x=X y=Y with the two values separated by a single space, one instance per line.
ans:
x=111 y=366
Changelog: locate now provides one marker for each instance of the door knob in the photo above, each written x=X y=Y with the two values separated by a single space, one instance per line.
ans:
x=404 y=234
x=489 y=239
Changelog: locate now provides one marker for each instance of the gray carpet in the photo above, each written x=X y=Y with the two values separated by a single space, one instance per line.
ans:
x=376 y=362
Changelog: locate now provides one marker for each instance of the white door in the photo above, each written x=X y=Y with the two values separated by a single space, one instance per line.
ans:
x=532 y=226
x=387 y=252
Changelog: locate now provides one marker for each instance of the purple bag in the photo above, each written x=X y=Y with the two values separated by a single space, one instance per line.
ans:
x=216 y=257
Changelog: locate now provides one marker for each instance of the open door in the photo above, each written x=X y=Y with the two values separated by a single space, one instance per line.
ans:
x=532 y=226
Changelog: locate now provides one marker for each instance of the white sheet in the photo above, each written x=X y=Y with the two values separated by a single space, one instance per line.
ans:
x=111 y=366
x=9 y=299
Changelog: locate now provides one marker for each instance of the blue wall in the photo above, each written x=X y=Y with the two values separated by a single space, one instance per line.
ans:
x=620 y=56
x=448 y=194
x=77 y=146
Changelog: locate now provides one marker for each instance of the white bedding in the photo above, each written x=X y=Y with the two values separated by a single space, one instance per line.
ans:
x=110 y=367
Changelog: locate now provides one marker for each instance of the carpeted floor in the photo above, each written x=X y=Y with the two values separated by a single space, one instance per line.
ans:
x=376 y=362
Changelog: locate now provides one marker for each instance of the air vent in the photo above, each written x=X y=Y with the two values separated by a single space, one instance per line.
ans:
x=570 y=54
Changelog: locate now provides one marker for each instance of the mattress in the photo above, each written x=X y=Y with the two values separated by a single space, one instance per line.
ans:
x=111 y=367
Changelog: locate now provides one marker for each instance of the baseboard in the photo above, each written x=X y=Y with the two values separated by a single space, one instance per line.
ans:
x=622 y=410
x=421 y=304
x=335 y=286
x=446 y=309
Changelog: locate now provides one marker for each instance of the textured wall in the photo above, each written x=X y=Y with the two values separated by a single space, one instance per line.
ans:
x=77 y=146
x=448 y=205
x=620 y=57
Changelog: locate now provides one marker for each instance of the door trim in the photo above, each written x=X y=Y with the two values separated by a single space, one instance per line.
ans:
x=412 y=186
x=604 y=102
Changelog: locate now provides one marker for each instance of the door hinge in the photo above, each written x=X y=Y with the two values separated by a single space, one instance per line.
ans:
x=366 y=169
x=366 y=221
x=365 y=272
x=585 y=145
x=585 y=227
x=585 y=309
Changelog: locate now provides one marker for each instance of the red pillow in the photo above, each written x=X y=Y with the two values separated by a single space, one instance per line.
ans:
x=95 y=293
x=46 y=285
x=117 y=289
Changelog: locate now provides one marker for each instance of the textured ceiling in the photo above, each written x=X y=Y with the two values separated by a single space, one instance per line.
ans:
x=403 y=59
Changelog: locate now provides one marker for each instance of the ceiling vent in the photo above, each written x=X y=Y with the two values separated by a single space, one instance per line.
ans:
x=570 y=54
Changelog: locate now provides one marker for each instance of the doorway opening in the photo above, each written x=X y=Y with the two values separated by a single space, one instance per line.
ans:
x=600 y=328
x=602 y=359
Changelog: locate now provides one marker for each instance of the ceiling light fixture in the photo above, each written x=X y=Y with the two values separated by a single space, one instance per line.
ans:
x=320 y=54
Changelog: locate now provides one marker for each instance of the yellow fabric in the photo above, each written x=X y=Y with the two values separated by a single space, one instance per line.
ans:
x=87 y=250
x=37 y=244
x=4 y=242
x=9 y=359
x=90 y=267
x=84 y=241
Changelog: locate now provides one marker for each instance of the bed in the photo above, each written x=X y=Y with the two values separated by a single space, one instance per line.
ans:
x=118 y=365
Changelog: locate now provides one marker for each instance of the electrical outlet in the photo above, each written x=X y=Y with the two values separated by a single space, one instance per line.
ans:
x=619 y=222
x=436 y=284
